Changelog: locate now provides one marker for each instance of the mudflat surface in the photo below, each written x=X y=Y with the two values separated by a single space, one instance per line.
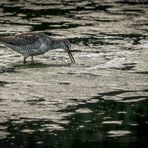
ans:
x=101 y=100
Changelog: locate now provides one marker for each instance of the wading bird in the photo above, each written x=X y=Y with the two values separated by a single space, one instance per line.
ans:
x=33 y=44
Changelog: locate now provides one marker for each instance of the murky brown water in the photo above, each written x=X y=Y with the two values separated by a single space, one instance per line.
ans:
x=101 y=101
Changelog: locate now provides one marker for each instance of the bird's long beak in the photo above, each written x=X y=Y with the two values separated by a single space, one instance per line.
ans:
x=70 y=56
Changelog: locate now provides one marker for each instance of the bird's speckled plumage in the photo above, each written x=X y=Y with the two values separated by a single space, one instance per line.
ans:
x=32 y=44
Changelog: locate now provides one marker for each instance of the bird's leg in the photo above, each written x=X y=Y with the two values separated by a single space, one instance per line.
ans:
x=32 y=59
x=25 y=60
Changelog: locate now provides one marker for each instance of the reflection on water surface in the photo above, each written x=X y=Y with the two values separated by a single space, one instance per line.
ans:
x=103 y=123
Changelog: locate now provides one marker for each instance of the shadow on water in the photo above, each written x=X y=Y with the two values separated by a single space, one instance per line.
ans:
x=3 y=83
x=30 y=13
x=103 y=123
x=132 y=2
x=10 y=69
x=40 y=65
x=47 y=25
x=55 y=10
x=108 y=39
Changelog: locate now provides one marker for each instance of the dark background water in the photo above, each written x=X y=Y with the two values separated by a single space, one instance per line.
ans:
x=93 y=129
x=109 y=117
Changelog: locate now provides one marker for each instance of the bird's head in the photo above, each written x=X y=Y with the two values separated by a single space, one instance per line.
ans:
x=67 y=47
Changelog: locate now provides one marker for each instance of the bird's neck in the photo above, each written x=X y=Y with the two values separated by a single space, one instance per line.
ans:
x=55 y=43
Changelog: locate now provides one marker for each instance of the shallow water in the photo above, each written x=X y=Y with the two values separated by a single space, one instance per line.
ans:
x=101 y=101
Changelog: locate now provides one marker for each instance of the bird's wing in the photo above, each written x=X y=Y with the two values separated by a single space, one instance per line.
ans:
x=20 y=40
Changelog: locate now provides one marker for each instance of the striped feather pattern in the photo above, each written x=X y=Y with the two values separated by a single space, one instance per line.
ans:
x=32 y=44
x=22 y=40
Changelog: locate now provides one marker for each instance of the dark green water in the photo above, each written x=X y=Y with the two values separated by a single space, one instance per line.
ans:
x=109 y=124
